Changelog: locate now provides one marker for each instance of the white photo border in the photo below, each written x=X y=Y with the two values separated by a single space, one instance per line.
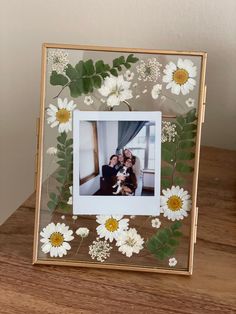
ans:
x=116 y=205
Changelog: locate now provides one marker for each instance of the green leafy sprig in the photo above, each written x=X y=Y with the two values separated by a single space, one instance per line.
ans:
x=177 y=154
x=163 y=244
x=87 y=75
x=64 y=174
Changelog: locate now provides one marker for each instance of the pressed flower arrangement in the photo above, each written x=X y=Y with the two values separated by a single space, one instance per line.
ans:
x=107 y=79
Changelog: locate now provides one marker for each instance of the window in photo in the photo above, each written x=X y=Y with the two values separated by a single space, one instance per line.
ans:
x=88 y=151
x=143 y=146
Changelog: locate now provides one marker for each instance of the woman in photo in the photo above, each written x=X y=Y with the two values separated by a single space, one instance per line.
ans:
x=109 y=175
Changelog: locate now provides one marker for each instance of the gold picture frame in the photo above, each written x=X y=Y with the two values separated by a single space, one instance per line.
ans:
x=171 y=59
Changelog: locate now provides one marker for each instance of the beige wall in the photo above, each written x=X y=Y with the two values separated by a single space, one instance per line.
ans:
x=208 y=25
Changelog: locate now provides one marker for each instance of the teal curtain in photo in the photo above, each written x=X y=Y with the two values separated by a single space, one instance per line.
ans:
x=127 y=130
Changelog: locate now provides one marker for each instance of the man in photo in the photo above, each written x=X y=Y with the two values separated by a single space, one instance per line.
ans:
x=126 y=179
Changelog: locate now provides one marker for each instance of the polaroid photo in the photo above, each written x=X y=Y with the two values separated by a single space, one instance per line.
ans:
x=117 y=163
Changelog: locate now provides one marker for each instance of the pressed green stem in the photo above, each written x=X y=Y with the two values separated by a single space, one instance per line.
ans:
x=79 y=246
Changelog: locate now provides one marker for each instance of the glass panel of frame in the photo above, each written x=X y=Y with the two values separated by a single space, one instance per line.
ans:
x=118 y=153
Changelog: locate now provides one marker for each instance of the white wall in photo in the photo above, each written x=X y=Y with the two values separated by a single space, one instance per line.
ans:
x=148 y=179
x=111 y=138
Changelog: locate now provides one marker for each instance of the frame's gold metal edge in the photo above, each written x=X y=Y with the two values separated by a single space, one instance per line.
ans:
x=39 y=154
x=111 y=267
x=36 y=154
x=119 y=49
x=196 y=165
x=194 y=212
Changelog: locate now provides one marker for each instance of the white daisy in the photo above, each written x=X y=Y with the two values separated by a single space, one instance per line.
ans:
x=116 y=89
x=129 y=242
x=55 y=239
x=70 y=201
x=111 y=226
x=129 y=75
x=156 y=223
x=100 y=249
x=61 y=115
x=180 y=77
x=149 y=70
x=190 y=102
x=82 y=232
x=168 y=132
x=175 y=203
x=52 y=151
x=156 y=90
x=172 y=262
x=88 y=100
x=58 y=59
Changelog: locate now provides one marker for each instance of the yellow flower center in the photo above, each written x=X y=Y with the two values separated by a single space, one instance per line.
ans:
x=56 y=239
x=174 y=203
x=130 y=242
x=63 y=115
x=180 y=76
x=111 y=224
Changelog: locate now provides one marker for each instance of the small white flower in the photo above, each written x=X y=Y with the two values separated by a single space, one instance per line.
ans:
x=156 y=223
x=88 y=100
x=61 y=115
x=116 y=89
x=168 y=132
x=70 y=201
x=52 y=151
x=175 y=203
x=129 y=75
x=55 y=239
x=190 y=102
x=74 y=217
x=149 y=70
x=100 y=250
x=82 y=232
x=172 y=262
x=156 y=90
x=58 y=59
x=63 y=217
x=111 y=226
x=129 y=242
x=179 y=78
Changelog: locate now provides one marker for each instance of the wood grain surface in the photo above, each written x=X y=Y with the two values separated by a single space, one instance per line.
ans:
x=211 y=289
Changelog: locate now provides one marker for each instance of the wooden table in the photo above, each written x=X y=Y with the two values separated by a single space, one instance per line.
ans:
x=212 y=288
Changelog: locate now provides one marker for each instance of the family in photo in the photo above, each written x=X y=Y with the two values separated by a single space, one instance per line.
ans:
x=120 y=175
